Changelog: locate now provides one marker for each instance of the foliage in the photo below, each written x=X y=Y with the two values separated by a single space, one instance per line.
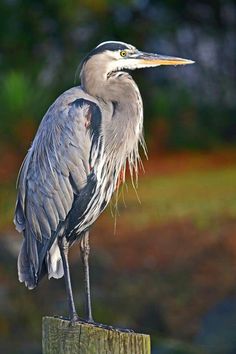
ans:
x=42 y=43
x=22 y=107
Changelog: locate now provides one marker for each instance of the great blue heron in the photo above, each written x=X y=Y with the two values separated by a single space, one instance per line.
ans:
x=76 y=161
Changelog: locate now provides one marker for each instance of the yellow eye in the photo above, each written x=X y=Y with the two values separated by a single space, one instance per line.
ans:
x=123 y=53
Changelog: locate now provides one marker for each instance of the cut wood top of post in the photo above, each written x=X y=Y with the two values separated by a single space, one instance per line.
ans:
x=60 y=337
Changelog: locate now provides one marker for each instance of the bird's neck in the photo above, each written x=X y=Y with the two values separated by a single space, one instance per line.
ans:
x=127 y=101
x=104 y=85
x=122 y=126
x=118 y=91
x=123 y=130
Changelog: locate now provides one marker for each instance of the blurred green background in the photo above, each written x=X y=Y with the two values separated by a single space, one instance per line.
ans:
x=169 y=268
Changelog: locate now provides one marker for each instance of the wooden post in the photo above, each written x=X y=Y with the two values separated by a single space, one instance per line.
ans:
x=59 y=337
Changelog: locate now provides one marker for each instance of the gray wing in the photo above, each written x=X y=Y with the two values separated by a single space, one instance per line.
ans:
x=53 y=172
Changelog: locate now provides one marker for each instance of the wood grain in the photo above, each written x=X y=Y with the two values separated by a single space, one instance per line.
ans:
x=60 y=337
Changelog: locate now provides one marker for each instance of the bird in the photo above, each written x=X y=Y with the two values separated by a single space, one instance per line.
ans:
x=85 y=142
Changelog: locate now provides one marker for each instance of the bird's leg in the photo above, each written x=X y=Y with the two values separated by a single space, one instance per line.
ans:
x=64 y=249
x=85 y=250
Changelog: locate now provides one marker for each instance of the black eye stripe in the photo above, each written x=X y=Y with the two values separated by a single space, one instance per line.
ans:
x=113 y=46
x=108 y=46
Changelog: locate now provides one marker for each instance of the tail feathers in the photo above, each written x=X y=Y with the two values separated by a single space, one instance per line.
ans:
x=26 y=271
x=54 y=262
x=31 y=269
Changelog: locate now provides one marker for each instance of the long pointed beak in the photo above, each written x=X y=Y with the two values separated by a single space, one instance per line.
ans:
x=150 y=59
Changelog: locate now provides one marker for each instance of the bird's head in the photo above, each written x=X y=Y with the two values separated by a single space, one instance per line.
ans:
x=115 y=56
x=111 y=57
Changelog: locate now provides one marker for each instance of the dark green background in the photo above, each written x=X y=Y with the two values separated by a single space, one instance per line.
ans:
x=186 y=108
x=42 y=43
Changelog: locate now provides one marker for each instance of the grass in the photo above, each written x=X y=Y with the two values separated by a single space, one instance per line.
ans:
x=201 y=196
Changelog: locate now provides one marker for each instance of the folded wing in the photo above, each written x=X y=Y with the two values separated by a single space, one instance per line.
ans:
x=53 y=173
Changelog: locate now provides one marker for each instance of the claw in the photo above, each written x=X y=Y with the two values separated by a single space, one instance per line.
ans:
x=75 y=319
x=108 y=327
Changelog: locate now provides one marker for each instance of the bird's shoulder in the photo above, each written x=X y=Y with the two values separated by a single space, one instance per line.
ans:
x=66 y=105
x=74 y=93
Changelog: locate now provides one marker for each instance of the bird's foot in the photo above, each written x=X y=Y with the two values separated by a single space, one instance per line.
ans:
x=108 y=327
x=75 y=319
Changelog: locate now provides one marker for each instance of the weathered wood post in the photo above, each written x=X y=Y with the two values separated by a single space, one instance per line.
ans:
x=59 y=337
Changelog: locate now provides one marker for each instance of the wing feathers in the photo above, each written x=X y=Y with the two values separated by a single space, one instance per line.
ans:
x=54 y=171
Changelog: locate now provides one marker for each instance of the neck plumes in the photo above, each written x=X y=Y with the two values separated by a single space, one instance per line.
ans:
x=122 y=129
